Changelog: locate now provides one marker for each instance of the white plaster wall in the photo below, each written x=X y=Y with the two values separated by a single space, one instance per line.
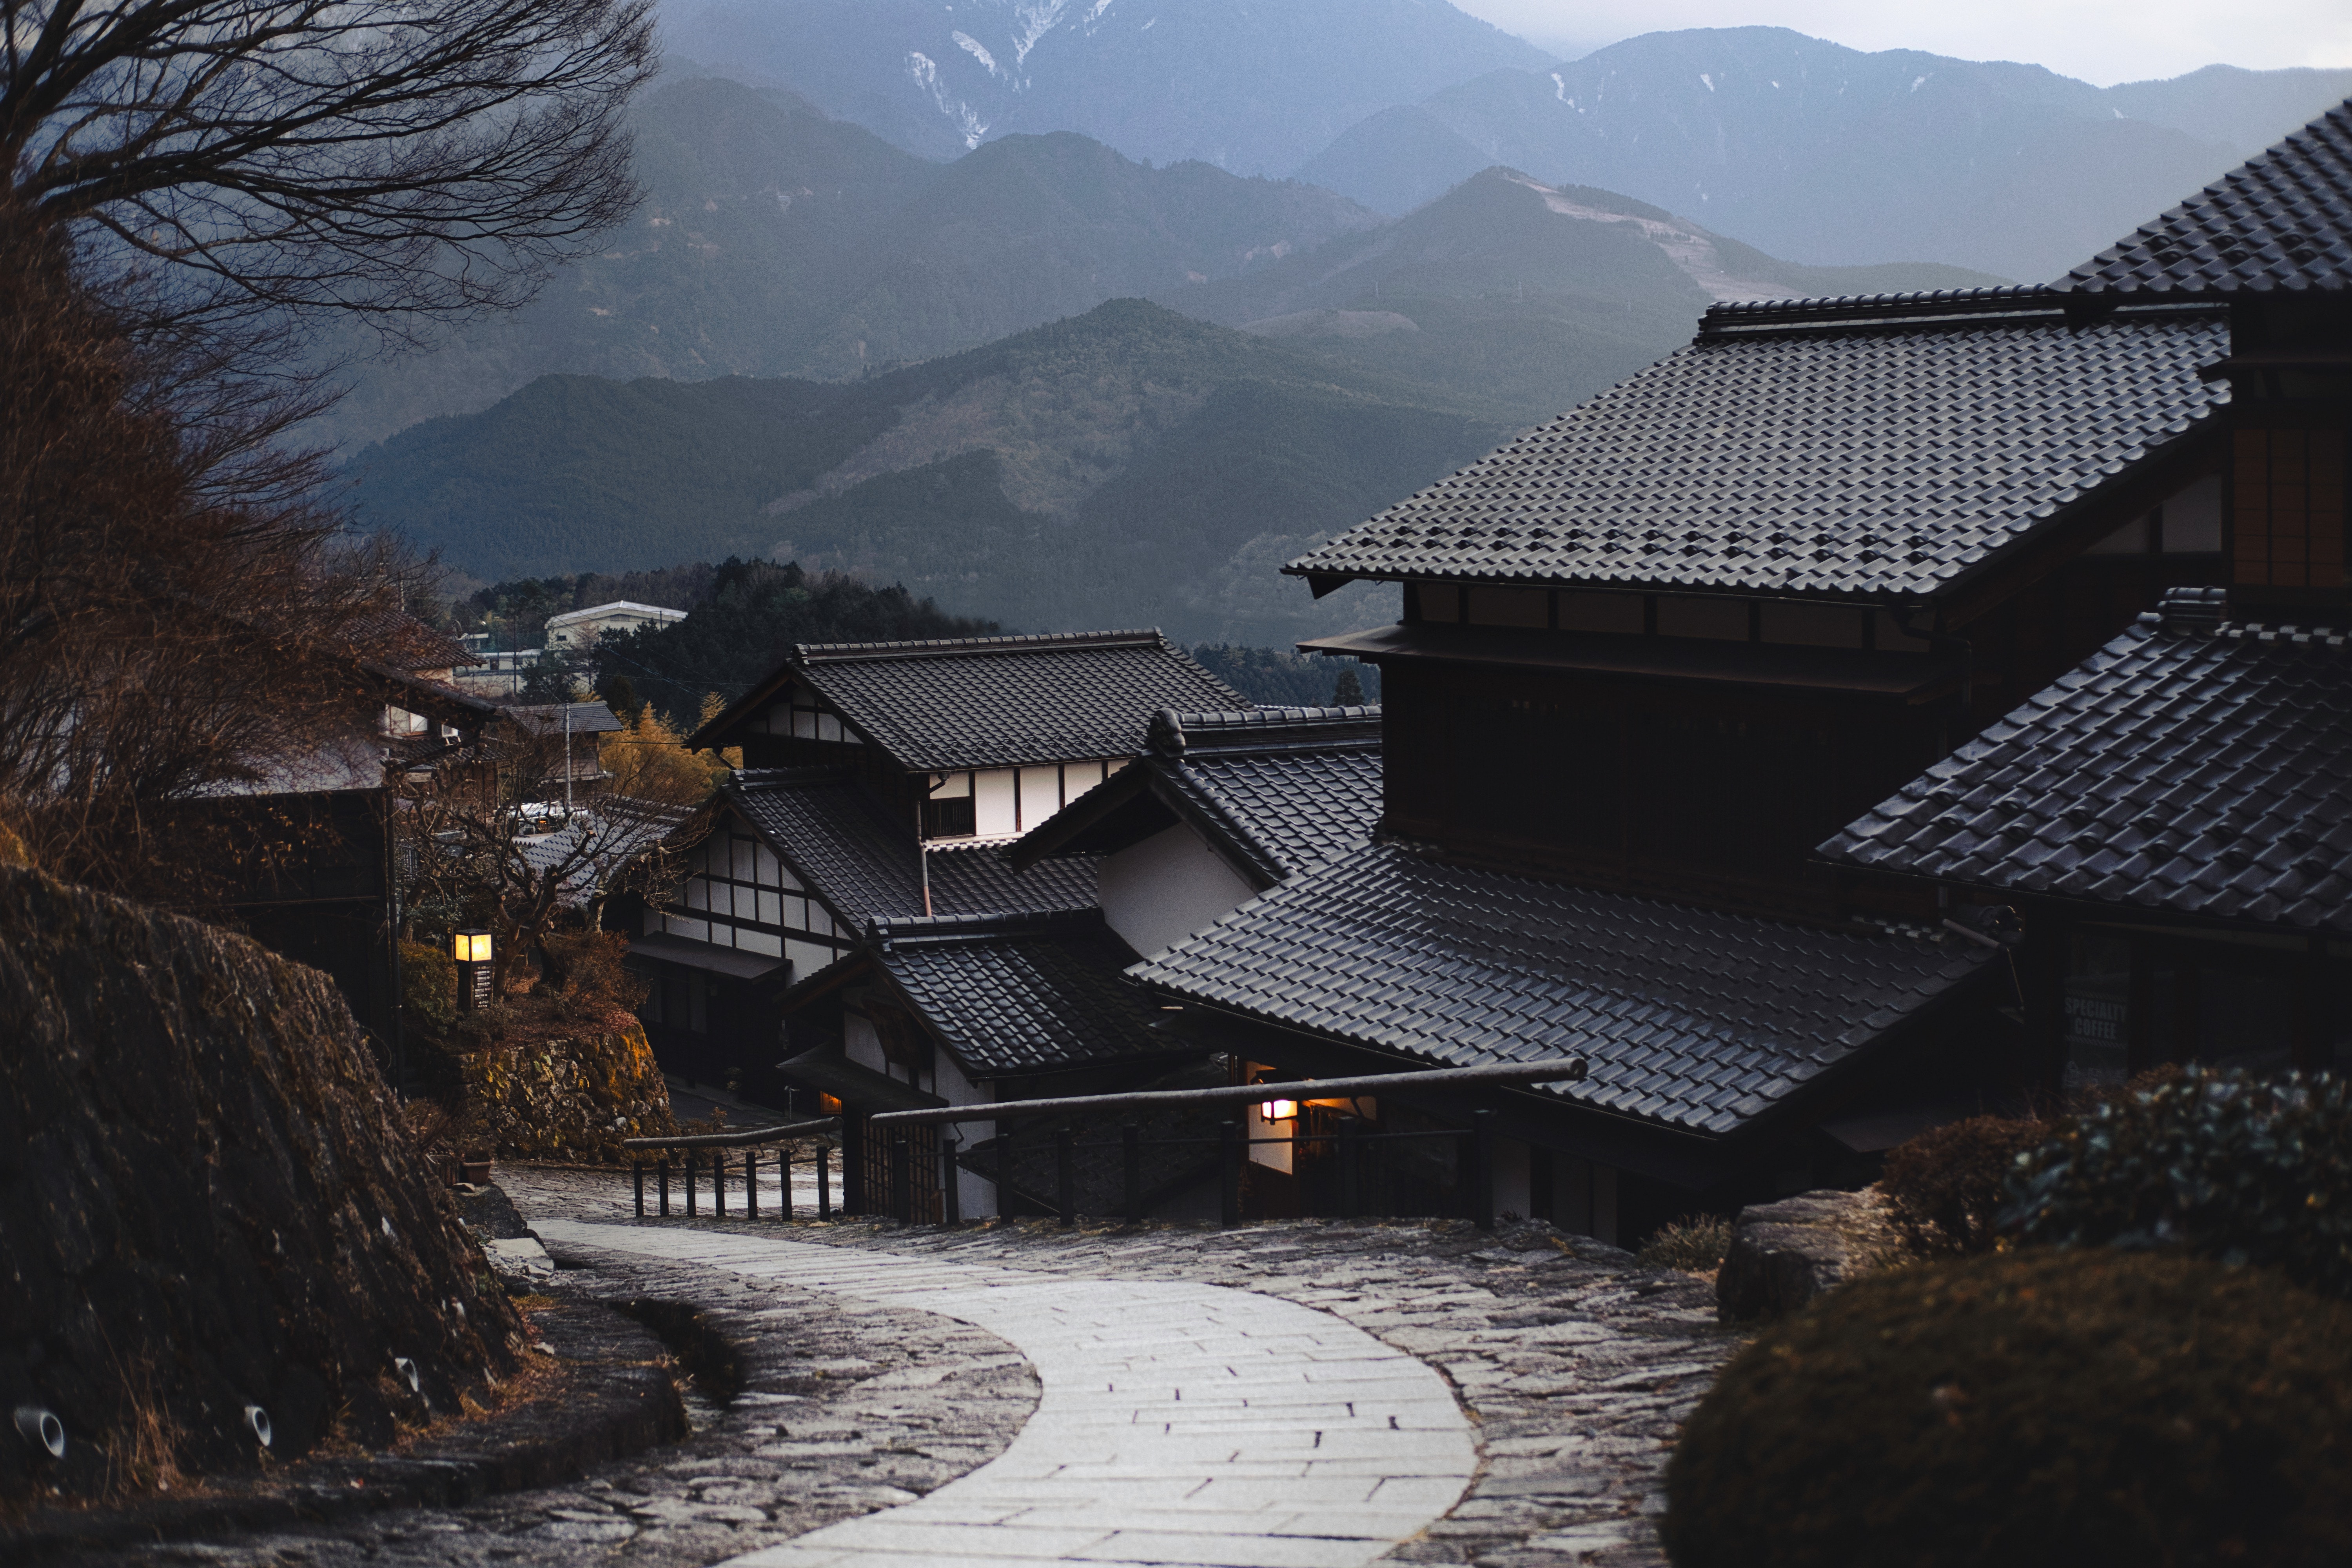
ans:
x=1159 y=891
x=975 y=1195
x=995 y=813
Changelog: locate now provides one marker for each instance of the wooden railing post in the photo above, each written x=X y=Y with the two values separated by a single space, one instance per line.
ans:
x=1131 y=1149
x=718 y=1184
x=1482 y=1176
x=1349 y=1152
x=1231 y=1152
x=751 y=1183
x=824 y=1180
x=1065 y=1177
x=689 y=1184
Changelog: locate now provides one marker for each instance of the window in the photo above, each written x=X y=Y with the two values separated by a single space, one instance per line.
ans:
x=948 y=819
x=2287 y=496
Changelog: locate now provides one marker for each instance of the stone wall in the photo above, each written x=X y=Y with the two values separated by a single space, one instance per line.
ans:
x=205 y=1205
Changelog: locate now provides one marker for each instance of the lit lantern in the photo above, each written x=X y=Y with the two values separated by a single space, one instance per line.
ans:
x=471 y=949
x=1278 y=1111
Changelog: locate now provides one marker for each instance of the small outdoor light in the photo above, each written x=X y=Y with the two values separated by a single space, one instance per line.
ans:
x=1278 y=1111
x=471 y=949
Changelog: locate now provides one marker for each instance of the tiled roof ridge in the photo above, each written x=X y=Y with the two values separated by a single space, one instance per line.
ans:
x=2205 y=612
x=1173 y=734
x=1022 y=642
x=776 y=778
x=1962 y=307
x=889 y=929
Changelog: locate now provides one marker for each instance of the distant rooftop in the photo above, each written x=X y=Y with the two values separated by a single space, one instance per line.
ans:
x=617 y=607
x=1002 y=701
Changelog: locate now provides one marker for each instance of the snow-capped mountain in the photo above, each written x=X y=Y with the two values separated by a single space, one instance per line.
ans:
x=1252 y=86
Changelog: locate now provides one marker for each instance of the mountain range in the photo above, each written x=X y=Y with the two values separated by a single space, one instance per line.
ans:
x=1253 y=87
x=1828 y=155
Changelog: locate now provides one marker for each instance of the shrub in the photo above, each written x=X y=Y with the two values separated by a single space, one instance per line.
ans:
x=1694 y=1244
x=590 y=981
x=2029 y=1409
x=429 y=987
x=2216 y=1163
x=1945 y=1188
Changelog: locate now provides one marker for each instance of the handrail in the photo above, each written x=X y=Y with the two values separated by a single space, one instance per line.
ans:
x=1564 y=1069
x=737 y=1139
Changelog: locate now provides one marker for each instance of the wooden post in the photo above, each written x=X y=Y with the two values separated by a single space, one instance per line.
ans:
x=1351 y=1151
x=751 y=1183
x=2139 y=1010
x=824 y=1180
x=718 y=1177
x=784 y=1174
x=2311 y=1032
x=1065 y=1177
x=1005 y=1170
x=689 y=1184
x=1482 y=1174
x=1231 y=1152
x=1131 y=1149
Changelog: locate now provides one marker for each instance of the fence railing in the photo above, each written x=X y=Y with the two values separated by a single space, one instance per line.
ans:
x=749 y=1141
x=891 y=1151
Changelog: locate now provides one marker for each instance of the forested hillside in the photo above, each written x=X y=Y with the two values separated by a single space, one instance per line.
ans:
x=1130 y=467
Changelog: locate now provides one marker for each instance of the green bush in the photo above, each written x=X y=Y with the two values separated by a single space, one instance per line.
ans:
x=429 y=987
x=2029 y=1409
x=1945 y=1188
x=1694 y=1244
x=2239 y=1169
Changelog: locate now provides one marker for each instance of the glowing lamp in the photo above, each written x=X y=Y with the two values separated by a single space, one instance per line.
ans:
x=470 y=947
x=1278 y=1111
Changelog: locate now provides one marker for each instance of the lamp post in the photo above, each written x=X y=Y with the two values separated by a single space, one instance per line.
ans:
x=471 y=949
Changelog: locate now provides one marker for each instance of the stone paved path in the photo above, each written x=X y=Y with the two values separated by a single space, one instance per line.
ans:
x=1574 y=1364
x=1178 y=1423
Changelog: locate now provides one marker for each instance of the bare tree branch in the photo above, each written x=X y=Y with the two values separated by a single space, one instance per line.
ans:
x=226 y=161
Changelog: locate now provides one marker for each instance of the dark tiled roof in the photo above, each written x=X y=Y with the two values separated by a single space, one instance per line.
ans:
x=1299 y=786
x=398 y=640
x=1006 y=701
x=840 y=842
x=1877 y=447
x=548 y=718
x=2192 y=765
x=2281 y=220
x=1694 y=1020
x=1026 y=993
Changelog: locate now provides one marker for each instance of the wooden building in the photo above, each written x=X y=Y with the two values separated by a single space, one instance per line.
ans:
x=1652 y=654
x=2171 y=819
x=882 y=783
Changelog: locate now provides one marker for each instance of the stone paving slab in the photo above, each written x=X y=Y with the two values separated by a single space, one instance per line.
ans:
x=1575 y=1366
x=1112 y=1466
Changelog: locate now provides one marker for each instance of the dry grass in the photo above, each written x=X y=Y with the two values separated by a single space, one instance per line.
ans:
x=1694 y=1244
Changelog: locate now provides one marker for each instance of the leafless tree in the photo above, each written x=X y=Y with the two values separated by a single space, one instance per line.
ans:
x=159 y=643
x=224 y=163
x=485 y=841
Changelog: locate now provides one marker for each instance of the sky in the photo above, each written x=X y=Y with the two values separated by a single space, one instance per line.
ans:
x=2100 y=42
